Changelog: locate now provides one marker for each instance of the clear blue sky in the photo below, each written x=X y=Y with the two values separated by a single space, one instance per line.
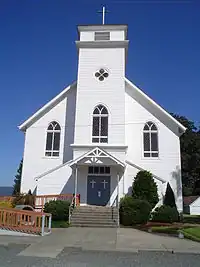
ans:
x=38 y=57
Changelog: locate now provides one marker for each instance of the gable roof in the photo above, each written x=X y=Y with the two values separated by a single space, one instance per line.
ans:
x=189 y=200
x=155 y=109
x=97 y=152
x=138 y=94
x=46 y=108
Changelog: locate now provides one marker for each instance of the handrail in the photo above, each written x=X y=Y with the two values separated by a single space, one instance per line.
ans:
x=40 y=200
x=71 y=207
x=25 y=221
x=116 y=204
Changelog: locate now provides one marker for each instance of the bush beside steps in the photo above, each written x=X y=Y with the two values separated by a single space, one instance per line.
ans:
x=60 y=213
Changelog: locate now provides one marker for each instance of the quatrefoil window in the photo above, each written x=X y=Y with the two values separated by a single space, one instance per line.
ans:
x=101 y=74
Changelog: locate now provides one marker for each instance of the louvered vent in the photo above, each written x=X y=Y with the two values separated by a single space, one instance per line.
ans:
x=102 y=36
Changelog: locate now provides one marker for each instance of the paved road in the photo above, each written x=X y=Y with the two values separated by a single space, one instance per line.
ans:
x=76 y=257
x=78 y=247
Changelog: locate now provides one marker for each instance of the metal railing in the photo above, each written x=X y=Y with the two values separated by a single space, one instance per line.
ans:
x=115 y=204
x=71 y=207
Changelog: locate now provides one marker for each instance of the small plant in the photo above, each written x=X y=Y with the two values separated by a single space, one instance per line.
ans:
x=29 y=199
x=18 y=200
x=145 y=188
x=165 y=214
x=59 y=209
x=134 y=211
x=6 y=204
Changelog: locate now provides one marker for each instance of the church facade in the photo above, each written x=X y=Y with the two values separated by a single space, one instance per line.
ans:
x=94 y=136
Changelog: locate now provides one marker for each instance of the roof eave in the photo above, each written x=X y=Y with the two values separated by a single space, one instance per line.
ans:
x=25 y=124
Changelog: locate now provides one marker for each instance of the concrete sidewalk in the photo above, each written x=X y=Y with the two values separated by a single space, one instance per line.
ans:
x=100 y=239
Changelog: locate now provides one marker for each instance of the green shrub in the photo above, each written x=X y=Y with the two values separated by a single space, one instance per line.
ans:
x=169 y=199
x=59 y=209
x=134 y=211
x=165 y=214
x=145 y=188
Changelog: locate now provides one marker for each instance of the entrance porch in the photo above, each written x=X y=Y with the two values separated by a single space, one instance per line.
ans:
x=97 y=178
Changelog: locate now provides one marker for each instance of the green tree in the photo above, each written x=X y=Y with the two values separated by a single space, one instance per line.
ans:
x=190 y=154
x=145 y=188
x=17 y=180
x=169 y=199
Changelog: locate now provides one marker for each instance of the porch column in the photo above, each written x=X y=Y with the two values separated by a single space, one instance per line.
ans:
x=76 y=181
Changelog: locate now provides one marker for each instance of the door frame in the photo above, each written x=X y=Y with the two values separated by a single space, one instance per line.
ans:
x=108 y=175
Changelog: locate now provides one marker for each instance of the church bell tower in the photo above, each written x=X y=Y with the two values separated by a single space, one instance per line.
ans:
x=102 y=51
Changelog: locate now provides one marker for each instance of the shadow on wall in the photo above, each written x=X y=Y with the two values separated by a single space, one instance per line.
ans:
x=176 y=175
x=68 y=188
x=69 y=125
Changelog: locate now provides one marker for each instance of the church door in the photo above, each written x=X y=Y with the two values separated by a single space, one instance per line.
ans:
x=98 y=190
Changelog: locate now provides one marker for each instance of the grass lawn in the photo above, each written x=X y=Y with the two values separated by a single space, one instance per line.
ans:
x=192 y=233
x=59 y=224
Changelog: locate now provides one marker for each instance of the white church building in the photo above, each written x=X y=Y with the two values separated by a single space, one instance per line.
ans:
x=93 y=137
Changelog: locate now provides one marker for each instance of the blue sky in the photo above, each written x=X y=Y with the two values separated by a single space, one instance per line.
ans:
x=38 y=57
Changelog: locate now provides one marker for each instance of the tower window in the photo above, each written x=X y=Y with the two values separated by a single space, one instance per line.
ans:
x=102 y=36
x=100 y=125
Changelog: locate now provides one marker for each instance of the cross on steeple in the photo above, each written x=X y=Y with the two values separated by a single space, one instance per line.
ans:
x=104 y=11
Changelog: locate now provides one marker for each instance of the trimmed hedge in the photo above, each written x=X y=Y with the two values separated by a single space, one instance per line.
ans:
x=191 y=219
x=165 y=214
x=134 y=211
x=59 y=209
x=165 y=229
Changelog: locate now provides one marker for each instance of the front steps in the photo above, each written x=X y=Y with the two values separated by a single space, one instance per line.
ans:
x=94 y=216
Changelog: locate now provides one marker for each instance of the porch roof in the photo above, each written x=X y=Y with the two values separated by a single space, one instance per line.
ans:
x=96 y=156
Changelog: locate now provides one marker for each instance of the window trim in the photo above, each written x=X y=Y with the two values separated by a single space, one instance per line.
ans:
x=151 y=152
x=52 y=143
x=100 y=116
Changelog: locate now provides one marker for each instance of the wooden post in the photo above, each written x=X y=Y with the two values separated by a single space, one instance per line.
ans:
x=43 y=223
x=49 y=227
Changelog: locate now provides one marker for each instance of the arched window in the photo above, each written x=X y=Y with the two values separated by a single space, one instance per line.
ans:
x=53 y=140
x=150 y=140
x=100 y=125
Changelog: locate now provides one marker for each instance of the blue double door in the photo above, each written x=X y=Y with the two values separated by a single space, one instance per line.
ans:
x=98 y=190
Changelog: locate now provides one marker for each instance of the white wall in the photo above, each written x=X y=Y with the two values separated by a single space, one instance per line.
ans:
x=91 y=92
x=35 y=163
x=195 y=207
x=167 y=165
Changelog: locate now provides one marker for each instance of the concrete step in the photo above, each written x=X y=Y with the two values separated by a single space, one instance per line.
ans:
x=100 y=218
x=93 y=225
x=95 y=213
x=94 y=216
x=94 y=222
x=106 y=220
